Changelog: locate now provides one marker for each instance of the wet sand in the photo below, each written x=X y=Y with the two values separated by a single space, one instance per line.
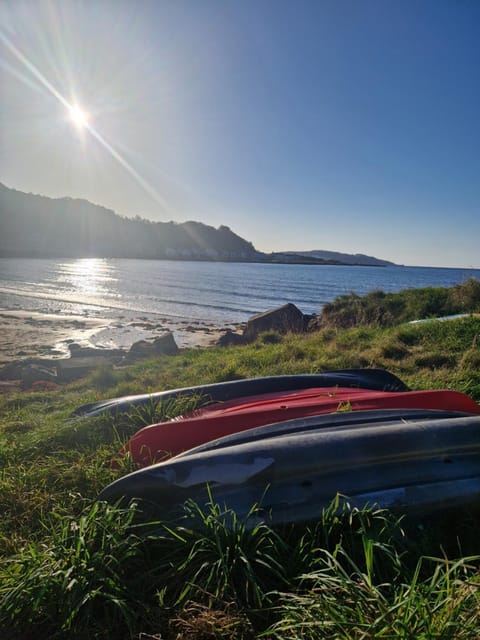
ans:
x=24 y=334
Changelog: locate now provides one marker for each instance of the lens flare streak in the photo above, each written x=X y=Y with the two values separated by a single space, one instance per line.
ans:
x=80 y=118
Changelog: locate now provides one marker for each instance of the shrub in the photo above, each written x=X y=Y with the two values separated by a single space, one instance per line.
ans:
x=467 y=295
x=379 y=309
x=270 y=337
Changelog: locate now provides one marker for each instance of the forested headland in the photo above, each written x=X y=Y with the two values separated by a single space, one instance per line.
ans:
x=35 y=226
x=39 y=227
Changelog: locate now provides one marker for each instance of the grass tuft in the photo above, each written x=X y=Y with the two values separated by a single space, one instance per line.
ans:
x=85 y=580
x=345 y=603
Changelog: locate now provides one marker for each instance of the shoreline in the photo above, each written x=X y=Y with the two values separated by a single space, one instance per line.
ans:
x=29 y=335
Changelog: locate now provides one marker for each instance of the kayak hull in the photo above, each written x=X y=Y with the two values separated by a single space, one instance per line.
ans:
x=403 y=463
x=157 y=442
x=375 y=379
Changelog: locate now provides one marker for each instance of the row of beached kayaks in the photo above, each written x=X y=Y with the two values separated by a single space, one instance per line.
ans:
x=158 y=442
x=290 y=444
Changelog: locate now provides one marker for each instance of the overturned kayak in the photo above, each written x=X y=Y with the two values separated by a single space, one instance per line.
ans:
x=375 y=379
x=406 y=460
x=166 y=439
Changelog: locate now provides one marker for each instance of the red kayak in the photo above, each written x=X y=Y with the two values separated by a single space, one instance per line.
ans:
x=160 y=441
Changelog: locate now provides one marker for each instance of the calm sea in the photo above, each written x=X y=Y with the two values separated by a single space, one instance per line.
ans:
x=220 y=293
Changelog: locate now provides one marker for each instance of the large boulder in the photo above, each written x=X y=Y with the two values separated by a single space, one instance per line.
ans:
x=162 y=345
x=285 y=319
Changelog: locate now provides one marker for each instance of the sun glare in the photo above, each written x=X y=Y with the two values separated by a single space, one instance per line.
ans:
x=78 y=116
x=81 y=119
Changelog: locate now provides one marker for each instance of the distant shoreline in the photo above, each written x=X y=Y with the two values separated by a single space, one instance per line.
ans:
x=66 y=227
x=234 y=261
x=314 y=262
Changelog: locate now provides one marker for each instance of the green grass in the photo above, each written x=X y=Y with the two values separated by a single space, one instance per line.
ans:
x=338 y=601
x=73 y=568
x=352 y=575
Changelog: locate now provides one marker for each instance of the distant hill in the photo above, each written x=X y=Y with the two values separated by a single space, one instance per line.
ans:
x=41 y=227
x=34 y=226
x=335 y=257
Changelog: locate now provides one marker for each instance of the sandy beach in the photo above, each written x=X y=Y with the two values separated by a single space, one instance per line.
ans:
x=24 y=334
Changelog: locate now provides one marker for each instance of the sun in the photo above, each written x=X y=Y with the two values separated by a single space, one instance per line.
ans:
x=78 y=116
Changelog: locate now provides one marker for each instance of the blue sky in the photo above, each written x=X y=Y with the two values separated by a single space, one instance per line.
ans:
x=349 y=125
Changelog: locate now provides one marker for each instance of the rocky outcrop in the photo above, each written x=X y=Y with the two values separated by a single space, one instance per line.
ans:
x=82 y=361
x=285 y=319
x=162 y=345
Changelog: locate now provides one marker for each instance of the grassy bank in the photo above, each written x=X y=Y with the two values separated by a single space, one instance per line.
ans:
x=380 y=309
x=73 y=568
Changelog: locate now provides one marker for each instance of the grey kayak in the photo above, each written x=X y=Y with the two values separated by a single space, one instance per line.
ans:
x=405 y=463
x=341 y=420
x=375 y=379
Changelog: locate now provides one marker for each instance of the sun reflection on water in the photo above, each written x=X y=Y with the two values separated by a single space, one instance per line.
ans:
x=87 y=276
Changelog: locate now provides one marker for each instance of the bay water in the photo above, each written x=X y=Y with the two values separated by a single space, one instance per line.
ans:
x=213 y=292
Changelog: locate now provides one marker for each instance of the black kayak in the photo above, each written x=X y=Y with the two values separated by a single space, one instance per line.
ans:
x=411 y=461
x=375 y=379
